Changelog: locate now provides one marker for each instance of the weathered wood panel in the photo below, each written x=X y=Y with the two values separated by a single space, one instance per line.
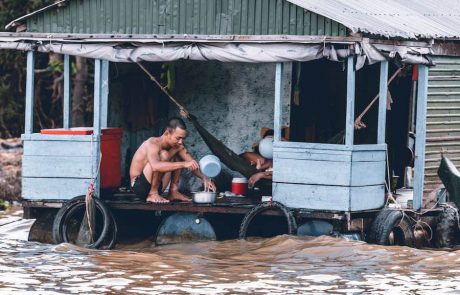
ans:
x=53 y=188
x=57 y=166
x=58 y=148
x=334 y=198
x=367 y=173
x=316 y=197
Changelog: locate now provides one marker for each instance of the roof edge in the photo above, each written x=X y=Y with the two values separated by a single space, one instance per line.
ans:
x=15 y=22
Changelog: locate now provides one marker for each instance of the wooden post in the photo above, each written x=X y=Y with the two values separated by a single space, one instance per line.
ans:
x=420 y=140
x=278 y=101
x=67 y=115
x=104 y=93
x=97 y=125
x=350 y=118
x=382 y=102
x=30 y=85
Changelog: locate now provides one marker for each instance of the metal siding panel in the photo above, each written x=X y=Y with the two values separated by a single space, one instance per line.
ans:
x=443 y=117
x=242 y=17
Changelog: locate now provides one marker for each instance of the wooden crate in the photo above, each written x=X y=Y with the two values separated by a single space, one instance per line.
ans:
x=329 y=177
x=56 y=167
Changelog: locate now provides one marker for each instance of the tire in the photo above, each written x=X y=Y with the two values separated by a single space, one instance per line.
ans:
x=447 y=229
x=69 y=209
x=57 y=236
x=391 y=227
x=80 y=206
x=292 y=225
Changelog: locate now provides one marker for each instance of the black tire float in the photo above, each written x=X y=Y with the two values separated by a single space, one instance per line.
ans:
x=291 y=222
x=107 y=237
x=391 y=227
x=447 y=229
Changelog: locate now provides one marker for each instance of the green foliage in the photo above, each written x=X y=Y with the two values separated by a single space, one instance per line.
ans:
x=13 y=70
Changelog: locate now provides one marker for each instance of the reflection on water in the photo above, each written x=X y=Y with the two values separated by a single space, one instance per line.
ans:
x=281 y=265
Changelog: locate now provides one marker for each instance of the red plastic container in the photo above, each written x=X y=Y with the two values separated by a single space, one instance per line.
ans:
x=239 y=186
x=110 y=148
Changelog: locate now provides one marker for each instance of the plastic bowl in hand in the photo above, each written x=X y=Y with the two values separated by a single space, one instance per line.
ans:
x=266 y=148
x=210 y=166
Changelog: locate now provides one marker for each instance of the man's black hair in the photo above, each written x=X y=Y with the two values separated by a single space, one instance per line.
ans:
x=174 y=123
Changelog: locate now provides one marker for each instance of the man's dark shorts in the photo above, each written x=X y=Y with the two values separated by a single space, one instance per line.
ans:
x=141 y=186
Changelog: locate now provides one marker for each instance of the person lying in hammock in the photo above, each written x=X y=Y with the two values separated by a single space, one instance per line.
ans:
x=263 y=165
x=159 y=161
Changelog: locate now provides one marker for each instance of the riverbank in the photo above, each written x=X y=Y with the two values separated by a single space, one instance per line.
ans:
x=10 y=169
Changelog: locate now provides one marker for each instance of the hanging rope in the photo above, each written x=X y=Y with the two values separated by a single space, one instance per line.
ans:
x=184 y=113
x=358 y=121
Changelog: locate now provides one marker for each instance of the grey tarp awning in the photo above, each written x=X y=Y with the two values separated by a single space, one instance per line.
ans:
x=225 y=52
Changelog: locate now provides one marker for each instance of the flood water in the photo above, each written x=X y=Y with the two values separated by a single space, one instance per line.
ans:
x=281 y=265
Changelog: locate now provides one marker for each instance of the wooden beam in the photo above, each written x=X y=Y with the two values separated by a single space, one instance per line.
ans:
x=278 y=101
x=67 y=111
x=350 y=117
x=97 y=124
x=382 y=102
x=104 y=93
x=30 y=85
x=420 y=140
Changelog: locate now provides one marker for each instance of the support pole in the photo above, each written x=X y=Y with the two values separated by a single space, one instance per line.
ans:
x=97 y=124
x=278 y=101
x=105 y=93
x=420 y=140
x=67 y=115
x=350 y=118
x=382 y=102
x=30 y=85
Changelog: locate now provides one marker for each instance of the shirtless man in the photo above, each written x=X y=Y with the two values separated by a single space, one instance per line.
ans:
x=159 y=162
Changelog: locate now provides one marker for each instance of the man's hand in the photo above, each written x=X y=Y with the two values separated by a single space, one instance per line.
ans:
x=209 y=184
x=191 y=165
x=255 y=178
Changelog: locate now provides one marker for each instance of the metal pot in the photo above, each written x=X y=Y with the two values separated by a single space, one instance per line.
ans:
x=204 y=197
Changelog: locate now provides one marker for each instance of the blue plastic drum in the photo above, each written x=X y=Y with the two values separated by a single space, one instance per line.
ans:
x=210 y=166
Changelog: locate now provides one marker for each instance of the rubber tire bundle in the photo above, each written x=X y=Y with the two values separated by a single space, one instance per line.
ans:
x=388 y=221
x=447 y=229
x=292 y=224
x=107 y=238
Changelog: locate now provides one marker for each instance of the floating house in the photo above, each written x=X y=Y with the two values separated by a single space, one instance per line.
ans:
x=311 y=66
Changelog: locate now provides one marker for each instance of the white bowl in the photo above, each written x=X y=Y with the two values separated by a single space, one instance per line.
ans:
x=266 y=148
x=204 y=197
x=210 y=166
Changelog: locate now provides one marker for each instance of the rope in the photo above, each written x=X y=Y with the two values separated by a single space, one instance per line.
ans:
x=183 y=112
x=358 y=123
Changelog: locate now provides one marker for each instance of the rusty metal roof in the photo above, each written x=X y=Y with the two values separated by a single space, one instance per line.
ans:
x=412 y=19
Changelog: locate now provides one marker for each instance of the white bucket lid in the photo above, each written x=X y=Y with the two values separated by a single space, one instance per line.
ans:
x=239 y=180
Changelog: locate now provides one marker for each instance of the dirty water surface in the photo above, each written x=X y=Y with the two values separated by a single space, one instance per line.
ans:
x=280 y=265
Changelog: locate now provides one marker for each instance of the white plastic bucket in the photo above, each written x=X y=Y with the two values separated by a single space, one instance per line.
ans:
x=210 y=166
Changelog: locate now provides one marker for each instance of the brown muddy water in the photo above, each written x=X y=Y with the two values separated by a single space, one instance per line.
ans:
x=281 y=265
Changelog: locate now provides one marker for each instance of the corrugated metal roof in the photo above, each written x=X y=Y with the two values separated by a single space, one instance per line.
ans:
x=411 y=19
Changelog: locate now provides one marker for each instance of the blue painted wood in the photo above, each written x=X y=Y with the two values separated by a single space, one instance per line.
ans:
x=97 y=124
x=56 y=166
x=53 y=137
x=67 y=110
x=350 y=117
x=383 y=90
x=278 y=102
x=104 y=93
x=57 y=148
x=420 y=141
x=30 y=87
x=329 y=198
x=367 y=173
x=367 y=197
x=53 y=188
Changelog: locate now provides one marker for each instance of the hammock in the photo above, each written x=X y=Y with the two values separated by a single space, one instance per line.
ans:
x=226 y=155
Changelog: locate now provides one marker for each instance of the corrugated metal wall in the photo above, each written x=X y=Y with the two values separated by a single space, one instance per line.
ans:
x=206 y=17
x=443 y=117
